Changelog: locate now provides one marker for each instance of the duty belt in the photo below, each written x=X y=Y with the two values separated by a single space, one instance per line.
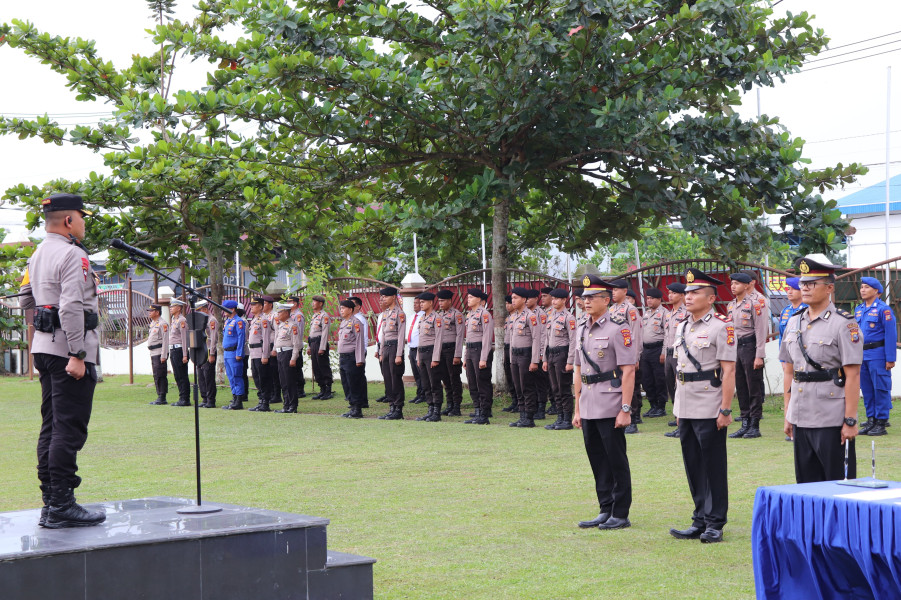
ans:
x=426 y=349
x=748 y=339
x=284 y=348
x=390 y=343
x=871 y=345
x=524 y=351
x=556 y=349
x=474 y=345
x=670 y=352
x=810 y=376
x=175 y=346
x=615 y=375
x=260 y=345
x=230 y=348
x=713 y=375
x=653 y=345
x=448 y=346
x=346 y=353
x=154 y=347
x=314 y=340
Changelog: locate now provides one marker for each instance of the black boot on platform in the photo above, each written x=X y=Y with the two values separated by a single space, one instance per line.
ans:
x=65 y=512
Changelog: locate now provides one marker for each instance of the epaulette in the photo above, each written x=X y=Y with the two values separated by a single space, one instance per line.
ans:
x=618 y=319
x=724 y=318
x=843 y=313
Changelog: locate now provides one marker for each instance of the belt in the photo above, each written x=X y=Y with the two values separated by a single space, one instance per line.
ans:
x=284 y=348
x=390 y=343
x=346 y=353
x=230 y=348
x=154 y=347
x=448 y=346
x=871 y=345
x=748 y=339
x=556 y=349
x=175 y=346
x=260 y=345
x=653 y=345
x=603 y=376
x=525 y=351
x=711 y=375
x=809 y=376
x=425 y=349
x=313 y=340
x=474 y=345
x=670 y=352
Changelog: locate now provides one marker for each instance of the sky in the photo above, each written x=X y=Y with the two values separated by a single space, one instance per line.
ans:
x=839 y=109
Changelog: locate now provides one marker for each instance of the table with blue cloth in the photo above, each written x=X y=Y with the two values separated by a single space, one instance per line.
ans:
x=825 y=540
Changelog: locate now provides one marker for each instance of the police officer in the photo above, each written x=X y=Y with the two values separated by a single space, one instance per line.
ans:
x=559 y=356
x=677 y=314
x=352 y=357
x=364 y=325
x=542 y=380
x=479 y=355
x=271 y=362
x=653 y=379
x=300 y=321
x=178 y=351
x=432 y=368
x=413 y=345
x=705 y=382
x=288 y=345
x=391 y=334
x=625 y=309
x=526 y=344
x=258 y=338
x=511 y=383
x=450 y=340
x=605 y=374
x=750 y=317
x=320 y=323
x=158 y=344
x=880 y=337
x=795 y=303
x=234 y=334
x=822 y=351
x=206 y=370
x=60 y=286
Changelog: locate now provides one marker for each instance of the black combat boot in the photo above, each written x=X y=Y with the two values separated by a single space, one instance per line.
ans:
x=513 y=404
x=455 y=409
x=745 y=425
x=397 y=414
x=160 y=400
x=356 y=413
x=327 y=394
x=566 y=422
x=46 y=496
x=518 y=422
x=866 y=427
x=539 y=414
x=302 y=393
x=529 y=420
x=65 y=512
x=388 y=414
x=436 y=414
x=474 y=416
x=673 y=434
x=428 y=414
x=631 y=428
x=318 y=396
x=262 y=406
x=753 y=430
x=878 y=428
x=552 y=409
x=553 y=425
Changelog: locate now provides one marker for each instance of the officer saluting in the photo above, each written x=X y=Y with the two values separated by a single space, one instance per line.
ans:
x=158 y=344
x=821 y=352
x=60 y=286
x=880 y=340
x=705 y=381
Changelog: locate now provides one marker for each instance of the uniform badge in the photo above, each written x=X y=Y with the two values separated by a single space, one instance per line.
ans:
x=627 y=337
x=758 y=309
x=165 y=327
x=356 y=327
x=438 y=322
x=85 y=267
x=325 y=319
x=587 y=281
x=543 y=319
x=572 y=323
x=888 y=314
x=600 y=354
x=689 y=277
x=240 y=324
x=402 y=317
x=730 y=335
x=265 y=324
x=294 y=330
x=184 y=324
x=855 y=333
x=459 y=319
x=212 y=324
x=485 y=318
x=534 y=320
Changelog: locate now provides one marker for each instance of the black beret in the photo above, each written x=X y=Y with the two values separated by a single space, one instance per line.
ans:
x=477 y=293
x=520 y=291
x=619 y=283
x=577 y=292
x=741 y=277
x=676 y=287
x=632 y=294
x=653 y=293
x=426 y=296
x=388 y=291
x=559 y=293
x=508 y=299
x=64 y=202
x=268 y=298
x=318 y=298
x=533 y=294
x=348 y=304
x=547 y=290
x=445 y=295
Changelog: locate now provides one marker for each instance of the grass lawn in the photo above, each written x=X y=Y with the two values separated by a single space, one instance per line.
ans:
x=449 y=510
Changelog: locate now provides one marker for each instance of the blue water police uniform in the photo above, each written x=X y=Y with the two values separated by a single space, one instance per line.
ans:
x=787 y=313
x=880 y=336
x=233 y=337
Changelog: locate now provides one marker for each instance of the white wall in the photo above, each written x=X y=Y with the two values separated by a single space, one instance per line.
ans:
x=867 y=245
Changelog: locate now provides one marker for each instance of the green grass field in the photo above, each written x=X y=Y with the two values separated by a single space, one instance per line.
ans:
x=449 y=510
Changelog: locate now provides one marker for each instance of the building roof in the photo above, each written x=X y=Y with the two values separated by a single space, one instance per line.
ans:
x=871 y=200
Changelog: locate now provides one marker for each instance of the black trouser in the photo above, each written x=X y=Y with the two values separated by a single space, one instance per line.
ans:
x=261 y=379
x=301 y=380
x=206 y=376
x=748 y=382
x=65 y=412
x=704 y=456
x=636 y=394
x=605 y=446
x=393 y=375
x=481 y=390
x=274 y=379
x=160 y=375
x=414 y=367
x=422 y=361
x=669 y=371
x=353 y=378
x=543 y=387
x=561 y=381
x=653 y=377
x=180 y=371
x=508 y=372
x=244 y=362
x=437 y=376
x=526 y=381
x=322 y=369
x=287 y=377
x=454 y=373
x=820 y=455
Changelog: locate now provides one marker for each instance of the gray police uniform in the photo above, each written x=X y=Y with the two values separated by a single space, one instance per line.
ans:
x=526 y=342
x=318 y=343
x=480 y=347
x=288 y=344
x=258 y=335
x=178 y=350
x=561 y=351
x=352 y=350
x=206 y=370
x=429 y=352
x=450 y=339
x=628 y=312
x=158 y=344
x=751 y=318
x=300 y=321
x=674 y=318
x=391 y=334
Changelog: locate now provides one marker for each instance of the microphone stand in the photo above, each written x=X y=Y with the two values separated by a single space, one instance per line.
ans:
x=195 y=344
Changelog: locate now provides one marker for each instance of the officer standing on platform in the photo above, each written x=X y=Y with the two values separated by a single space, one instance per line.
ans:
x=60 y=286
x=479 y=355
x=705 y=382
x=258 y=337
x=413 y=345
x=158 y=344
x=178 y=351
x=432 y=369
x=300 y=321
x=653 y=379
x=750 y=317
x=526 y=343
x=623 y=308
x=352 y=357
x=821 y=354
x=559 y=356
x=206 y=370
x=233 y=339
x=450 y=340
x=288 y=347
x=391 y=333
x=508 y=372
x=320 y=323
x=880 y=337
x=677 y=314
x=605 y=373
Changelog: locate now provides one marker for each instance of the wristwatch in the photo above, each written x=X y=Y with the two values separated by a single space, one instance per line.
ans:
x=79 y=355
x=627 y=408
x=726 y=411
x=850 y=421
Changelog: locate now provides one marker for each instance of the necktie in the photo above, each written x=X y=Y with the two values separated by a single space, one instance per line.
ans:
x=410 y=333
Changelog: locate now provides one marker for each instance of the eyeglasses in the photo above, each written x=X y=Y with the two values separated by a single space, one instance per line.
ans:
x=811 y=284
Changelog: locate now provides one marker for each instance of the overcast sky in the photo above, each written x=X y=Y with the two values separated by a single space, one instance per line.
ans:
x=840 y=109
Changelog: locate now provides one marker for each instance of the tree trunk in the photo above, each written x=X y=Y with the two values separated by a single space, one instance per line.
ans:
x=217 y=271
x=499 y=262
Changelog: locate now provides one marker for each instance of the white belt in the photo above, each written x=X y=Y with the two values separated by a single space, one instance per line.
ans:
x=284 y=349
x=175 y=346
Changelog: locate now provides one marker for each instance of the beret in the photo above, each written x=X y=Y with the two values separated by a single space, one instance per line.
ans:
x=388 y=291
x=477 y=293
x=426 y=296
x=348 y=304
x=653 y=293
x=520 y=291
x=230 y=304
x=445 y=295
x=534 y=294
x=268 y=298
x=295 y=298
x=318 y=298
x=619 y=283
x=547 y=290
x=741 y=277
x=508 y=299
x=356 y=300
x=632 y=294
x=676 y=287
x=793 y=282
x=559 y=293
x=873 y=283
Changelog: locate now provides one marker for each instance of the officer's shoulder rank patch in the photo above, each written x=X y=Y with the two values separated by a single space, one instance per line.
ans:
x=843 y=313
x=543 y=318
x=572 y=323
x=724 y=318
x=618 y=319
x=627 y=336
x=357 y=326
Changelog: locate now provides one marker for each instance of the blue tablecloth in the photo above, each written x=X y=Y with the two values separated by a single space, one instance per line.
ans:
x=808 y=542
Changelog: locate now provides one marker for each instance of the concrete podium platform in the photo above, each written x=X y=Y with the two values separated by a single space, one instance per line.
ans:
x=146 y=550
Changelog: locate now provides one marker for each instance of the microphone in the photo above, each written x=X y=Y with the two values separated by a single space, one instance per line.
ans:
x=120 y=245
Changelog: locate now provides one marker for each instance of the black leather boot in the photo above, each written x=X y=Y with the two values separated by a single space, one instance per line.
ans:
x=553 y=425
x=396 y=415
x=160 y=400
x=455 y=409
x=519 y=422
x=428 y=414
x=262 y=406
x=878 y=428
x=232 y=404
x=566 y=422
x=867 y=426
x=356 y=413
x=513 y=404
x=753 y=430
x=745 y=425
x=529 y=421
x=388 y=414
x=539 y=414
x=436 y=414
x=327 y=393
x=65 y=512
x=552 y=409
x=474 y=416
x=46 y=496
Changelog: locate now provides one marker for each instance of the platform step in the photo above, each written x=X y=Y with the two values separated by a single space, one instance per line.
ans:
x=345 y=577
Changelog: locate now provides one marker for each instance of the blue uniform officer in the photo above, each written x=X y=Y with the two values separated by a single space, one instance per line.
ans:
x=793 y=293
x=233 y=337
x=880 y=336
